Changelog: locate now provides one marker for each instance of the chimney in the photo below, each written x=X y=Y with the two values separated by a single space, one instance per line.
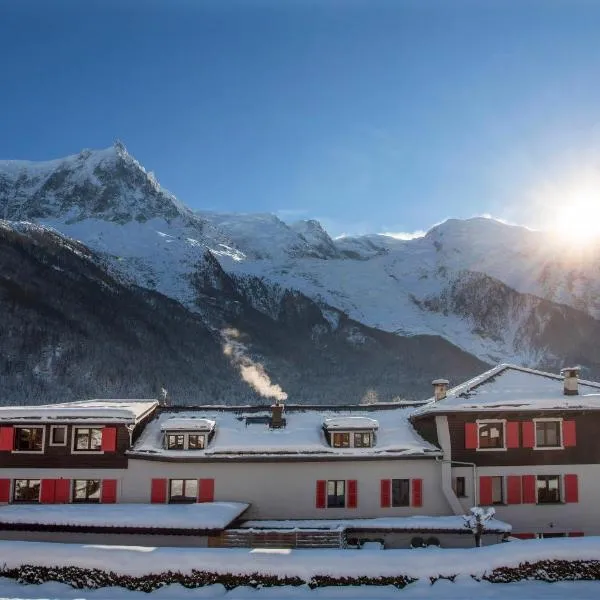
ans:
x=571 y=375
x=440 y=387
x=277 y=420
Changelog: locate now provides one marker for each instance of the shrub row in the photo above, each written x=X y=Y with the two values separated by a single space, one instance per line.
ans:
x=80 y=578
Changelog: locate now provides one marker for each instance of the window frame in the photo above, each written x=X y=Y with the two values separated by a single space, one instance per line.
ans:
x=184 y=499
x=53 y=428
x=482 y=422
x=345 y=435
x=463 y=479
x=14 y=491
x=75 y=450
x=559 y=489
x=186 y=439
x=558 y=420
x=361 y=436
x=343 y=495
x=502 y=500
x=40 y=451
x=87 y=499
x=408 y=495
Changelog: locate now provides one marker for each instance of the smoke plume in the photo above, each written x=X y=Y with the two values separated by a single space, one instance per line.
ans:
x=252 y=373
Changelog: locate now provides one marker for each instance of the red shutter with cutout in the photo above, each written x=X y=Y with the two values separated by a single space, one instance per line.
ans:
x=529 y=489
x=62 y=489
x=513 y=489
x=528 y=429
x=485 y=490
x=386 y=493
x=352 y=493
x=568 y=432
x=417 y=492
x=206 y=490
x=109 y=439
x=6 y=439
x=109 y=491
x=571 y=488
x=471 y=436
x=512 y=434
x=158 y=494
x=4 y=490
x=48 y=491
x=321 y=493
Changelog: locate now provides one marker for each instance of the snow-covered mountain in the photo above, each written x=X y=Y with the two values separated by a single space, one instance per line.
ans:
x=496 y=291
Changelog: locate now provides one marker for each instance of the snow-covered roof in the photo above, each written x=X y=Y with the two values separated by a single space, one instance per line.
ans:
x=350 y=423
x=417 y=523
x=102 y=411
x=235 y=435
x=187 y=424
x=510 y=387
x=200 y=516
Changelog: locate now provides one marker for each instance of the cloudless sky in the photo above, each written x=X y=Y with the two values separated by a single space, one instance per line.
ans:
x=368 y=115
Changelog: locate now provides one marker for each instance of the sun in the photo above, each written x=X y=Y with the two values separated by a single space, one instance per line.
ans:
x=578 y=220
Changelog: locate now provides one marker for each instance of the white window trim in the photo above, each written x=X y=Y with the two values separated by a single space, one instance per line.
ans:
x=43 y=428
x=14 y=485
x=351 y=433
x=561 y=489
x=74 y=436
x=486 y=422
x=546 y=420
x=52 y=428
x=186 y=440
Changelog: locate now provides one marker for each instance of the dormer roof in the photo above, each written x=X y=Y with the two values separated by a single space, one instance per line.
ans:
x=350 y=423
x=190 y=423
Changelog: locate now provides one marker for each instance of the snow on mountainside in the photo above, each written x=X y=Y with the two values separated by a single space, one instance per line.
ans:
x=499 y=292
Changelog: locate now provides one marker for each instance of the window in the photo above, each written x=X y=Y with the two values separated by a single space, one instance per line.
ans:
x=58 y=435
x=362 y=440
x=183 y=490
x=460 y=487
x=548 y=489
x=29 y=439
x=341 y=440
x=497 y=490
x=88 y=439
x=86 y=490
x=400 y=492
x=195 y=441
x=336 y=493
x=185 y=441
x=491 y=435
x=175 y=442
x=547 y=434
x=26 y=490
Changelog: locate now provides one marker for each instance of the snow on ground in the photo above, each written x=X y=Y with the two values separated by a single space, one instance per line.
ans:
x=442 y=590
x=303 y=433
x=418 y=563
x=205 y=515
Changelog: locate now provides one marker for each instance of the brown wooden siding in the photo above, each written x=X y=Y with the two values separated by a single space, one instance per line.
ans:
x=587 y=450
x=60 y=457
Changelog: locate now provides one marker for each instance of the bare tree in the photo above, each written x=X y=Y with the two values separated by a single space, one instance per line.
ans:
x=476 y=521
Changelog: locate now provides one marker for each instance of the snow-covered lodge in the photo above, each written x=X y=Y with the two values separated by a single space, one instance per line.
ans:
x=520 y=440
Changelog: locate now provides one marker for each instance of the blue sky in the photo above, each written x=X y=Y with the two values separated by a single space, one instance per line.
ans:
x=370 y=116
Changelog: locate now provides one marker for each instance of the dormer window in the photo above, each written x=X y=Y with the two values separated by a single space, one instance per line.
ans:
x=187 y=433
x=350 y=432
x=341 y=440
x=363 y=440
x=186 y=441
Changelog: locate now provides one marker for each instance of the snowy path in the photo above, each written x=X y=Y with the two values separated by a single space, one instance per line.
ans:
x=461 y=590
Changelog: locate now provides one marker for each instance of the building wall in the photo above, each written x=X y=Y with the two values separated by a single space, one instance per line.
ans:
x=286 y=490
x=544 y=518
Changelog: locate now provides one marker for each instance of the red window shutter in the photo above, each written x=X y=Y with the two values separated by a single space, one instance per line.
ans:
x=206 y=490
x=528 y=430
x=158 y=491
x=4 y=490
x=62 y=489
x=471 y=435
x=512 y=434
x=485 y=490
x=571 y=489
x=109 y=439
x=48 y=491
x=321 y=493
x=109 y=491
x=386 y=493
x=568 y=432
x=417 y=492
x=524 y=536
x=575 y=534
x=529 y=489
x=6 y=439
x=352 y=493
x=513 y=489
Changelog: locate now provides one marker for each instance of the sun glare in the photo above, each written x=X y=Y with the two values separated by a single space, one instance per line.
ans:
x=578 y=220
